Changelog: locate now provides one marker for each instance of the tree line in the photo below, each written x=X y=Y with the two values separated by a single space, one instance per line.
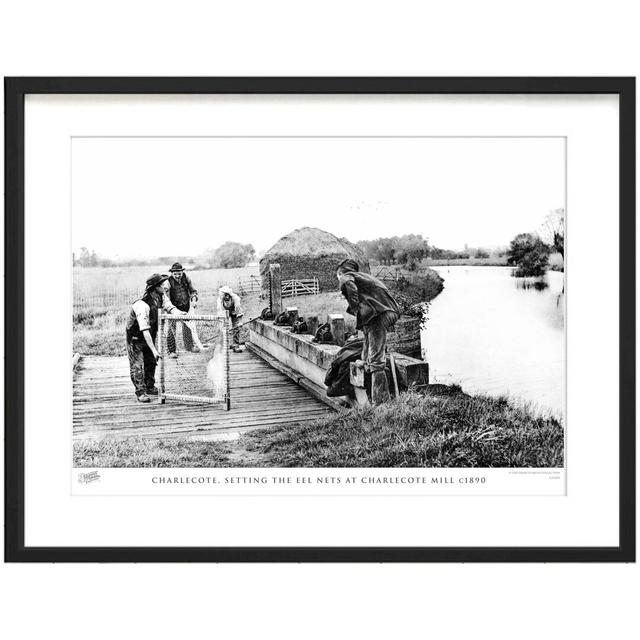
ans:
x=409 y=250
x=227 y=256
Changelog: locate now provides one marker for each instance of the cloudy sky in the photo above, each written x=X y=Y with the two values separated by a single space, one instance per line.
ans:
x=142 y=197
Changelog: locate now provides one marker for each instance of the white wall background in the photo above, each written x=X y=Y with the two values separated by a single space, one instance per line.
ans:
x=331 y=38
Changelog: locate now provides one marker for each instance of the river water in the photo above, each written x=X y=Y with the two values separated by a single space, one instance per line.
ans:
x=495 y=334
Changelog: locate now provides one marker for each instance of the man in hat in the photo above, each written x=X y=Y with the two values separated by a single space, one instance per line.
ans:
x=181 y=294
x=141 y=331
x=228 y=301
x=376 y=312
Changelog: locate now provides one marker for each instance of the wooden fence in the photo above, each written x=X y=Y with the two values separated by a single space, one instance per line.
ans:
x=293 y=288
x=123 y=298
x=249 y=286
x=104 y=299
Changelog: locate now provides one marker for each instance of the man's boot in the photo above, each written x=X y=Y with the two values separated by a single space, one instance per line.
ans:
x=379 y=387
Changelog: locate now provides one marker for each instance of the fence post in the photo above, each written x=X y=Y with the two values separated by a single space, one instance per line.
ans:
x=312 y=324
x=276 y=288
x=161 y=398
x=336 y=322
x=225 y=346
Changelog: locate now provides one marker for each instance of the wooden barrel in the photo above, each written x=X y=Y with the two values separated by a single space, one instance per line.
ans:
x=405 y=337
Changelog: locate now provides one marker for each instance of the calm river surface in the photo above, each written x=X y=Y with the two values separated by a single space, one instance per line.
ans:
x=490 y=334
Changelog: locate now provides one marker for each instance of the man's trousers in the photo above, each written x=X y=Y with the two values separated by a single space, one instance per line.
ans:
x=142 y=366
x=171 y=336
x=374 y=353
x=374 y=347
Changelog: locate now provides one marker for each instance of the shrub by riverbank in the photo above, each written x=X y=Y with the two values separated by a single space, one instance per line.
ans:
x=414 y=288
x=448 y=429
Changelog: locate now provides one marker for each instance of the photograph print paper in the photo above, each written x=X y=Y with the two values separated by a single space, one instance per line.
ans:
x=317 y=302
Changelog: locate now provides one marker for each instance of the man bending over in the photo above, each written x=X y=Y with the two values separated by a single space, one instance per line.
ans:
x=376 y=312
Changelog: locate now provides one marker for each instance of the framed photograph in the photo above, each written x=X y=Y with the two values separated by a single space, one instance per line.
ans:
x=320 y=319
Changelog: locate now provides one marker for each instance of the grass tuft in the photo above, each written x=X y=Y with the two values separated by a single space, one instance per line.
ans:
x=151 y=452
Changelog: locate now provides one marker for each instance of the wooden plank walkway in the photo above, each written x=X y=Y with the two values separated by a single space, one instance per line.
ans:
x=104 y=403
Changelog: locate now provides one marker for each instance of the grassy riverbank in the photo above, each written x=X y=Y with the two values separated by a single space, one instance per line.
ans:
x=416 y=431
x=445 y=429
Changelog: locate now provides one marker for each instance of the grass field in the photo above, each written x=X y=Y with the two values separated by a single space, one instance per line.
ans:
x=446 y=430
x=103 y=297
x=94 y=280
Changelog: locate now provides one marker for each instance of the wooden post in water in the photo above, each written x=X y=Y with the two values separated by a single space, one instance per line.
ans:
x=276 y=288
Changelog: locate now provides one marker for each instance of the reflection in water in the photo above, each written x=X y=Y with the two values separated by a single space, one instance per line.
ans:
x=495 y=334
x=539 y=284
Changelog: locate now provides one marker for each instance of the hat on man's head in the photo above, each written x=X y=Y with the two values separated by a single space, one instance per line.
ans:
x=156 y=279
x=176 y=266
x=225 y=289
x=349 y=265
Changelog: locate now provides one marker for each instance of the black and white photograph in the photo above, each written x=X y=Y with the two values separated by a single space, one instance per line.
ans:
x=363 y=315
x=319 y=301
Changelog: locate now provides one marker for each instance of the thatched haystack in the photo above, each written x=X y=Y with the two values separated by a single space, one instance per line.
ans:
x=311 y=253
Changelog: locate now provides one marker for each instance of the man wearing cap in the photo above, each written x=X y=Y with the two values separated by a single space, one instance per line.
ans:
x=141 y=330
x=376 y=312
x=181 y=294
x=230 y=302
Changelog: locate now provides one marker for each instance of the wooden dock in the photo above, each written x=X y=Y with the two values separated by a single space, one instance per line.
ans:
x=104 y=403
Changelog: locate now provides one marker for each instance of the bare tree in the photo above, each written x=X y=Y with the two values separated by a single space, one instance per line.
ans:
x=554 y=230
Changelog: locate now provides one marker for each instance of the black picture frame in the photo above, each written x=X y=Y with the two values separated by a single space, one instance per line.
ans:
x=15 y=91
